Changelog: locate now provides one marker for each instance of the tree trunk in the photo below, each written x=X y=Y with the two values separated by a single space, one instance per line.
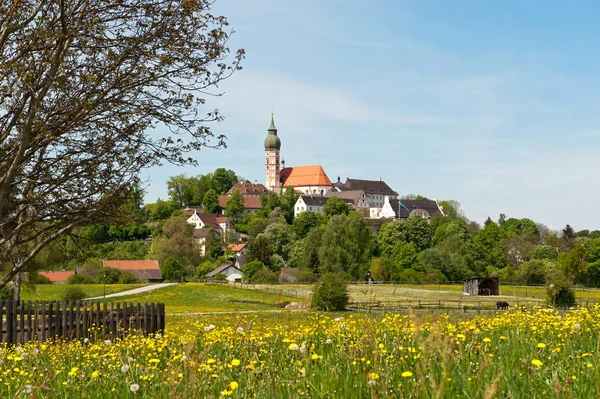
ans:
x=16 y=288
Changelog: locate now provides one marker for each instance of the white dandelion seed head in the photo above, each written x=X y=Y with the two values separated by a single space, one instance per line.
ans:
x=124 y=368
x=240 y=329
x=337 y=319
x=577 y=326
x=371 y=383
x=134 y=387
x=184 y=357
x=328 y=341
x=302 y=349
x=209 y=328
x=27 y=389
x=107 y=342
x=19 y=348
x=86 y=341
x=342 y=326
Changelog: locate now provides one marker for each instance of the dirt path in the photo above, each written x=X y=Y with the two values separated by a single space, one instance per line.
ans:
x=135 y=291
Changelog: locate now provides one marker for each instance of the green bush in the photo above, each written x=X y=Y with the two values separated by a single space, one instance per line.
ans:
x=127 y=277
x=172 y=270
x=220 y=277
x=80 y=279
x=265 y=276
x=560 y=294
x=73 y=294
x=36 y=278
x=330 y=294
x=108 y=275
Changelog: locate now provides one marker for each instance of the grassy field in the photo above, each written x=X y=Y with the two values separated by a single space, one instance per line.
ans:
x=308 y=355
x=44 y=292
x=197 y=297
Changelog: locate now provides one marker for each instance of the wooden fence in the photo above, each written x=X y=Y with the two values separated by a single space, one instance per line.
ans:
x=40 y=321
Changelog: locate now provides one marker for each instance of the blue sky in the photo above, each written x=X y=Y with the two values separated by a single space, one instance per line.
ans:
x=494 y=104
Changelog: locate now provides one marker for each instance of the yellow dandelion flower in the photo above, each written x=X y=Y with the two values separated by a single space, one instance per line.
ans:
x=487 y=340
x=541 y=345
x=233 y=385
x=373 y=376
x=407 y=374
x=235 y=362
x=536 y=363
x=314 y=356
x=96 y=374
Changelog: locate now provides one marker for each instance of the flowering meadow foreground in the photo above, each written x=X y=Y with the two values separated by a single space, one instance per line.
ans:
x=349 y=355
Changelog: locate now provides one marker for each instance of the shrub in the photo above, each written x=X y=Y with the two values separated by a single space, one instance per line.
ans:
x=560 y=294
x=108 y=275
x=265 y=276
x=172 y=270
x=220 y=277
x=127 y=277
x=330 y=294
x=73 y=294
x=251 y=268
x=80 y=279
x=36 y=278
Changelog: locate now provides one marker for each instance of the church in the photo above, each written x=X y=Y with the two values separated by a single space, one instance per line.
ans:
x=308 y=180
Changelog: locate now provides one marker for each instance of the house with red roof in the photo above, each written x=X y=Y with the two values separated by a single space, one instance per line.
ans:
x=57 y=277
x=251 y=203
x=148 y=270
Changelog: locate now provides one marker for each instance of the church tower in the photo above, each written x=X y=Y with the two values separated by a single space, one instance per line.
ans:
x=272 y=147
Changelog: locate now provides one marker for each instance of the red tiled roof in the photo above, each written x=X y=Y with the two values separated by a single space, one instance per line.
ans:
x=56 y=276
x=249 y=189
x=249 y=202
x=236 y=247
x=141 y=269
x=132 y=264
x=300 y=176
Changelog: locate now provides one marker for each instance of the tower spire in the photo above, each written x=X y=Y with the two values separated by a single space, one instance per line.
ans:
x=272 y=128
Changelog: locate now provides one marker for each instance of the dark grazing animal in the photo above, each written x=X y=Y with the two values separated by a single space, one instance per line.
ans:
x=502 y=305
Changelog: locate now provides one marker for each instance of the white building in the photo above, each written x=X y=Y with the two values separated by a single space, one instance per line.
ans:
x=375 y=190
x=233 y=273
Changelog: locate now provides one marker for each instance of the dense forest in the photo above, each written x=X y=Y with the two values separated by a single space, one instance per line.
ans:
x=445 y=248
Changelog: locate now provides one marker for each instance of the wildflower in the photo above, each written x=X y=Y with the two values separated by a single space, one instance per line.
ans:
x=95 y=374
x=590 y=365
x=233 y=385
x=124 y=368
x=337 y=319
x=184 y=357
x=226 y=393
x=240 y=329
x=407 y=374
x=302 y=349
x=328 y=341
x=73 y=371
x=250 y=367
x=107 y=342
x=235 y=362
x=18 y=349
x=487 y=340
x=293 y=347
x=27 y=389
x=211 y=361
x=85 y=342
x=314 y=356
x=371 y=383
x=134 y=388
x=461 y=336
x=536 y=363
x=576 y=326
x=541 y=345
x=373 y=376
x=302 y=372
x=209 y=328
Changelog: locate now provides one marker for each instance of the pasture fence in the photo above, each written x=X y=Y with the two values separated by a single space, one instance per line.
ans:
x=41 y=321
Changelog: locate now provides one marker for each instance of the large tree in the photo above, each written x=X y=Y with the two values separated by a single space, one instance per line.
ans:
x=91 y=93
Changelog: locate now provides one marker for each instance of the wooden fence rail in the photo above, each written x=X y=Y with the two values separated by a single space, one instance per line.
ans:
x=41 y=321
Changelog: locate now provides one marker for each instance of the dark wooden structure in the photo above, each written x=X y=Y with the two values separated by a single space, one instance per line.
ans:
x=482 y=286
x=41 y=321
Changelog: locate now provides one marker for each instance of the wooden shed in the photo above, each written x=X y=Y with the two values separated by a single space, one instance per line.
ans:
x=482 y=286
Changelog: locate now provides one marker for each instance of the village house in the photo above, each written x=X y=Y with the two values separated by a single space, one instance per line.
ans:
x=251 y=203
x=239 y=254
x=57 y=277
x=375 y=190
x=232 y=273
x=146 y=270
x=219 y=223
x=405 y=208
x=249 y=189
x=312 y=203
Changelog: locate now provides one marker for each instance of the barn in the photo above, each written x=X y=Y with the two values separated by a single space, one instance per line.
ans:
x=482 y=286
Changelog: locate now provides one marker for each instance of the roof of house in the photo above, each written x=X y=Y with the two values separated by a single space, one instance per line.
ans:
x=249 y=202
x=314 y=200
x=190 y=211
x=202 y=233
x=221 y=269
x=404 y=208
x=249 y=189
x=300 y=176
x=369 y=186
x=351 y=195
x=142 y=269
x=236 y=247
x=57 y=276
x=212 y=219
